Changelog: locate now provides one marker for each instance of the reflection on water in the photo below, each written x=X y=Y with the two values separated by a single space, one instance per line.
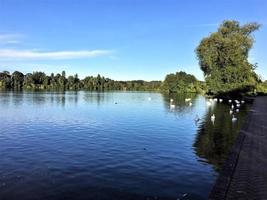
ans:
x=111 y=145
x=215 y=139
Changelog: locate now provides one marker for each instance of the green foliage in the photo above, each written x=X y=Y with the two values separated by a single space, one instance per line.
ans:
x=39 y=80
x=261 y=88
x=223 y=57
x=182 y=82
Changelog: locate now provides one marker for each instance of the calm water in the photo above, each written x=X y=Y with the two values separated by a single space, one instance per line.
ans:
x=114 y=145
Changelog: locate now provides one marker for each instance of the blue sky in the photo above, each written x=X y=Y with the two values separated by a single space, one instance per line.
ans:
x=120 y=39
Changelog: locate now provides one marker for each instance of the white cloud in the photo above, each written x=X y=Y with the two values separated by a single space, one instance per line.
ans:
x=10 y=38
x=10 y=54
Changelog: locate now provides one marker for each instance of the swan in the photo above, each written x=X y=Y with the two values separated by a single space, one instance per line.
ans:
x=187 y=99
x=212 y=117
x=171 y=100
x=220 y=100
x=234 y=118
x=215 y=100
x=190 y=104
x=237 y=110
x=172 y=106
x=232 y=106
x=231 y=112
x=237 y=101
x=230 y=101
x=208 y=103
x=238 y=105
x=242 y=101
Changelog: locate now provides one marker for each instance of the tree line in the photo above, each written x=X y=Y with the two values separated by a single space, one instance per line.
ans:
x=173 y=83
x=40 y=80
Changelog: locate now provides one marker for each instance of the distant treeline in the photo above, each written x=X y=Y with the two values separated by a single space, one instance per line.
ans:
x=179 y=82
x=39 y=80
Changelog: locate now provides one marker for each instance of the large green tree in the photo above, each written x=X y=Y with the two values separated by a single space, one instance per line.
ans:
x=223 y=57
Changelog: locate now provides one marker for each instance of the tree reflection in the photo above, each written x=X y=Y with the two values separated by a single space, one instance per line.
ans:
x=214 y=140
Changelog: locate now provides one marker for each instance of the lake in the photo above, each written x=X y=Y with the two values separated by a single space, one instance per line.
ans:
x=111 y=145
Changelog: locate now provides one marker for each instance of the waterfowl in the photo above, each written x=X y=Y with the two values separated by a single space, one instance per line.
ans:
x=237 y=101
x=231 y=112
x=230 y=101
x=238 y=105
x=215 y=100
x=237 y=110
x=172 y=106
x=187 y=99
x=232 y=106
x=212 y=117
x=171 y=100
x=242 y=101
x=190 y=104
x=234 y=118
x=208 y=103
x=220 y=100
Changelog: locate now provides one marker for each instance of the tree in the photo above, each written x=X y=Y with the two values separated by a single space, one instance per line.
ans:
x=223 y=57
x=181 y=82
x=17 y=79
x=5 y=80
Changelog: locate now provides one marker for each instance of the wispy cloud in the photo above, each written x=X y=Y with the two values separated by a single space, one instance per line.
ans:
x=6 y=38
x=7 y=54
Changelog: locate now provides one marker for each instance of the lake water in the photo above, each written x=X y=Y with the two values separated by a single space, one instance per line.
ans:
x=112 y=145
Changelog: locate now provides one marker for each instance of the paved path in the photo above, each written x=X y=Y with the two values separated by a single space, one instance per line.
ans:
x=244 y=175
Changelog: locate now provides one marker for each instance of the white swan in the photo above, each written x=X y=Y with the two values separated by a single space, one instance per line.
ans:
x=234 y=118
x=230 y=101
x=190 y=104
x=237 y=110
x=187 y=99
x=231 y=112
x=171 y=100
x=242 y=101
x=238 y=105
x=208 y=103
x=172 y=106
x=212 y=117
x=220 y=100
x=232 y=106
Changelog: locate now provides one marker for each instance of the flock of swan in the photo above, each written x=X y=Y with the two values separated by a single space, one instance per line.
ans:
x=234 y=108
